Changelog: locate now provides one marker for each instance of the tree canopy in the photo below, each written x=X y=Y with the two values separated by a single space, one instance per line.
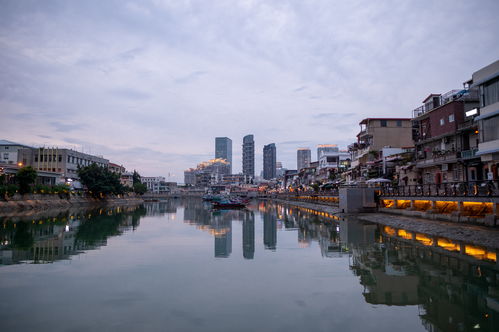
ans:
x=25 y=177
x=100 y=181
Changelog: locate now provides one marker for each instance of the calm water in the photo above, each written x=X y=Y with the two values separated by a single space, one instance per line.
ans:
x=178 y=266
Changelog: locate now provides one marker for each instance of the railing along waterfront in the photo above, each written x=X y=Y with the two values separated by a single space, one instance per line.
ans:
x=456 y=189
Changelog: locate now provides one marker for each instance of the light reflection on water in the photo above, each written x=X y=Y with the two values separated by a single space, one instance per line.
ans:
x=178 y=265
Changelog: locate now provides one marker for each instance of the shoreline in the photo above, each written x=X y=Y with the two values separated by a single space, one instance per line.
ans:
x=466 y=233
x=35 y=203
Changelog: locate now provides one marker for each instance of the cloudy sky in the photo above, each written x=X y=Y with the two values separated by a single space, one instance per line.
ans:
x=150 y=84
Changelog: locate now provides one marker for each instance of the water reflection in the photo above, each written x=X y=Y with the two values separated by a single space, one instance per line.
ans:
x=453 y=285
x=45 y=238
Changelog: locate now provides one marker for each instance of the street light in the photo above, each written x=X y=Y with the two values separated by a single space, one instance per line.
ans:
x=20 y=164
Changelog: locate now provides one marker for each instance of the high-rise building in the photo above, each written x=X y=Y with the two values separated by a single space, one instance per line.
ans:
x=223 y=150
x=303 y=158
x=269 y=161
x=249 y=156
x=323 y=149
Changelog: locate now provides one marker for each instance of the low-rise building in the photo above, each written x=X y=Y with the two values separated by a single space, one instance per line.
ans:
x=376 y=134
x=445 y=138
x=9 y=152
x=155 y=184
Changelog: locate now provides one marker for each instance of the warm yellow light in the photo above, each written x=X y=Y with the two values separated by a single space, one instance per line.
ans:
x=20 y=164
x=424 y=239
x=474 y=251
x=448 y=245
x=404 y=234
x=388 y=230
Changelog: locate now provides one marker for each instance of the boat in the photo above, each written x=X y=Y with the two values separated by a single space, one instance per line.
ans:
x=228 y=204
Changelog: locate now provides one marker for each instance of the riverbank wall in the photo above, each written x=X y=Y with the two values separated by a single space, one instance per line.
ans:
x=55 y=201
x=466 y=233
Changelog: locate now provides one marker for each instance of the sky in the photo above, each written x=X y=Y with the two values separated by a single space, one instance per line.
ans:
x=150 y=84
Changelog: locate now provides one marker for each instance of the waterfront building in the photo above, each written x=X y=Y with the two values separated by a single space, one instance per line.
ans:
x=126 y=179
x=249 y=156
x=487 y=81
x=329 y=149
x=155 y=184
x=303 y=158
x=207 y=173
x=446 y=139
x=269 y=161
x=332 y=162
x=376 y=134
x=9 y=152
x=115 y=168
x=62 y=161
x=223 y=150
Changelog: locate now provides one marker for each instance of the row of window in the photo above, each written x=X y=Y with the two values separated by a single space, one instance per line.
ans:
x=71 y=160
x=383 y=123
x=451 y=119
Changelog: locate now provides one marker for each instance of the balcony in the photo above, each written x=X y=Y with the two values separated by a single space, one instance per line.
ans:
x=450 y=96
x=468 y=154
x=437 y=158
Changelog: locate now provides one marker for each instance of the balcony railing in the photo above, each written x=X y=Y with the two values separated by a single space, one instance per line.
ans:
x=457 y=189
x=468 y=154
x=463 y=95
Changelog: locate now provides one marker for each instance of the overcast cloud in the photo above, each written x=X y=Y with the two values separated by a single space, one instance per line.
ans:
x=150 y=84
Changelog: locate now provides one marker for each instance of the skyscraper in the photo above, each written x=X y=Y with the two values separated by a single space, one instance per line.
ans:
x=303 y=158
x=223 y=149
x=249 y=156
x=326 y=149
x=269 y=161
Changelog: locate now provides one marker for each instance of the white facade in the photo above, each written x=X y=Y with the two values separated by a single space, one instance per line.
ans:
x=9 y=152
x=155 y=184
x=333 y=159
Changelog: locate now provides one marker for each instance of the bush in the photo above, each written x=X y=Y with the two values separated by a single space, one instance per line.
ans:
x=8 y=190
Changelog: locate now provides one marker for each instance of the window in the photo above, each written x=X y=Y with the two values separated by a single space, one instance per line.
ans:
x=489 y=92
x=399 y=123
x=451 y=118
x=383 y=123
x=490 y=128
x=6 y=156
x=442 y=121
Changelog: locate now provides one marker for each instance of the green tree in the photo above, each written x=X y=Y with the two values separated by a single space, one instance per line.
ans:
x=139 y=188
x=136 y=177
x=25 y=177
x=99 y=180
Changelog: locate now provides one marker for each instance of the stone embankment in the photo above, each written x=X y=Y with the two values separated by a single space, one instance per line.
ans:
x=472 y=234
x=54 y=201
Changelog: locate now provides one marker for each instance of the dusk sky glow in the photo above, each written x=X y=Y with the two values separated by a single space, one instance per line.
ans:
x=150 y=84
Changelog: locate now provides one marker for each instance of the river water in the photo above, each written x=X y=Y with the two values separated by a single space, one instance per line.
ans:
x=179 y=266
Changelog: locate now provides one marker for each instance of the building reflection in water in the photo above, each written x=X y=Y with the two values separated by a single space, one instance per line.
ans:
x=46 y=238
x=270 y=231
x=455 y=285
x=249 y=235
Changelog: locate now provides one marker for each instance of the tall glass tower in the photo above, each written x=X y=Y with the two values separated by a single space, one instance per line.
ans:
x=269 y=161
x=223 y=149
x=249 y=156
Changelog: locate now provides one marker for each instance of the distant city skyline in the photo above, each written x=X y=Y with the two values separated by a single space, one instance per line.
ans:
x=150 y=84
